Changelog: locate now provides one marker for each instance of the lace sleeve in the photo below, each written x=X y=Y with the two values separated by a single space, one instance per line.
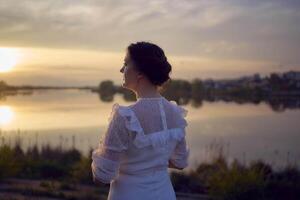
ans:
x=180 y=155
x=106 y=158
x=180 y=121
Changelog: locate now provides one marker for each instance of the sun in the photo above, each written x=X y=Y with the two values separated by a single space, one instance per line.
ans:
x=9 y=58
x=6 y=115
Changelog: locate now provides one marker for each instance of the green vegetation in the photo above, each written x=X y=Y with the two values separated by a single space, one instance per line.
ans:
x=235 y=181
x=69 y=170
x=49 y=163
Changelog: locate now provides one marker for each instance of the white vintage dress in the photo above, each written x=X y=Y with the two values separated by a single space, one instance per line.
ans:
x=137 y=146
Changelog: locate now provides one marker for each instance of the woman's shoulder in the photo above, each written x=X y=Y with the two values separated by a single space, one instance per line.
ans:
x=119 y=107
x=126 y=114
x=178 y=108
x=120 y=110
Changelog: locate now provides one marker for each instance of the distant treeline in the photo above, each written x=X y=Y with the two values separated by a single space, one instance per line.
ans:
x=5 y=87
x=280 y=91
x=10 y=90
x=197 y=91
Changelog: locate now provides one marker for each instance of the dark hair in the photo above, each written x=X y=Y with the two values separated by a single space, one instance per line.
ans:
x=150 y=59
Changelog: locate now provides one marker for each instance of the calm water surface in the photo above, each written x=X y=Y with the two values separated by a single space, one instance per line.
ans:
x=79 y=118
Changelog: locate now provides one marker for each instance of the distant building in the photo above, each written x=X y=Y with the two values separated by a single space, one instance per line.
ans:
x=209 y=83
x=292 y=75
x=288 y=81
x=256 y=77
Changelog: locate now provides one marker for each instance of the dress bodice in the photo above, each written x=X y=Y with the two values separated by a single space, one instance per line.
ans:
x=140 y=138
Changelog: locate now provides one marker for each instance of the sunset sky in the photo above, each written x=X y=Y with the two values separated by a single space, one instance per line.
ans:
x=76 y=42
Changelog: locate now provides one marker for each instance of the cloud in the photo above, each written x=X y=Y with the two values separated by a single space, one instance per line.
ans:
x=251 y=30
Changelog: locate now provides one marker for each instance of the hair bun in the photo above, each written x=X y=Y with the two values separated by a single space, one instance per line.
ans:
x=150 y=59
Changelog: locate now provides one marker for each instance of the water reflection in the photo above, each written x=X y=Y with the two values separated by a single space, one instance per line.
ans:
x=195 y=92
x=78 y=118
x=6 y=115
x=196 y=100
x=276 y=103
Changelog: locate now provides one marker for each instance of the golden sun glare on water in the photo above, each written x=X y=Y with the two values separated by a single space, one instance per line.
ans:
x=9 y=58
x=6 y=115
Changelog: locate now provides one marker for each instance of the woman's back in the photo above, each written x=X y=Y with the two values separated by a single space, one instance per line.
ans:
x=160 y=127
x=139 y=143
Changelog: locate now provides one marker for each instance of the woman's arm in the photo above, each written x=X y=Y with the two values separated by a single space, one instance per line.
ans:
x=171 y=165
x=97 y=182
x=180 y=155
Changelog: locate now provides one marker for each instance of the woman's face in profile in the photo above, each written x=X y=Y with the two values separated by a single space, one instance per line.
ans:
x=130 y=74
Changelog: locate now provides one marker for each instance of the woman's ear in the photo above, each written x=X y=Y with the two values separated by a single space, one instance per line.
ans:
x=140 y=75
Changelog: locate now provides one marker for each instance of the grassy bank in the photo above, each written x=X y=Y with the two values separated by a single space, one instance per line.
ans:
x=64 y=173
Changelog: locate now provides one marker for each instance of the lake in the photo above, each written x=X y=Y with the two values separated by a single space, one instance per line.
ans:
x=79 y=118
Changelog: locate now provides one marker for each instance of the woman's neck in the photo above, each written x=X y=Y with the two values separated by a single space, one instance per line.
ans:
x=147 y=93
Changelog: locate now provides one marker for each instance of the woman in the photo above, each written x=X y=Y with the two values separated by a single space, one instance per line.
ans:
x=146 y=137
